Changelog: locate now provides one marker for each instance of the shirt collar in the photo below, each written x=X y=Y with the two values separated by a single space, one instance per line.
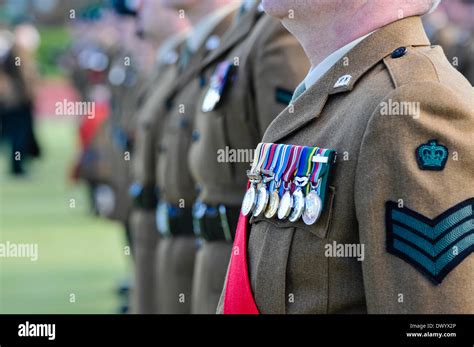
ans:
x=248 y=4
x=317 y=72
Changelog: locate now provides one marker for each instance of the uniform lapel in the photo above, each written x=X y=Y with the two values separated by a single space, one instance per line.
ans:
x=195 y=61
x=309 y=106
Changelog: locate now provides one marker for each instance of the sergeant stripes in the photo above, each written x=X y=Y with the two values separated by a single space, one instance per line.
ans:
x=432 y=246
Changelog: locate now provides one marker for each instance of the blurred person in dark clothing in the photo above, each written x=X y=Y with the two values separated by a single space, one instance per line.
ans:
x=17 y=82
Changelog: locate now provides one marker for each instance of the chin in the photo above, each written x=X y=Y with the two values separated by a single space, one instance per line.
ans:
x=277 y=8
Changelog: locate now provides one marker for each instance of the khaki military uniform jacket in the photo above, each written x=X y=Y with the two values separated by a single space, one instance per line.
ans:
x=377 y=167
x=173 y=177
x=118 y=133
x=268 y=63
x=151 y=115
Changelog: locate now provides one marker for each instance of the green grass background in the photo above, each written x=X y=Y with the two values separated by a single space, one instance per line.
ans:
x=78 y=253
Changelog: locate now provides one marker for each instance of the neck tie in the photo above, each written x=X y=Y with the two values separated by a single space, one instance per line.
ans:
x=299 y=90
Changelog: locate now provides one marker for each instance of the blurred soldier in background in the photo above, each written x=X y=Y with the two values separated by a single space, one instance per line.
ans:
x=130 y=60
x=452 y=27
x=166 y=31
x=88 y=64
x=130 y=66
x=176 y=251
x=250 y=79
x=18 y=76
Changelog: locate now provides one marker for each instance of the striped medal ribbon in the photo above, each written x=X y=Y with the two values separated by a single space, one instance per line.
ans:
x=267 y=176
x=313 y=203
x=278 y=167
x=286 y=202
x=248 y=204
x=301 y=180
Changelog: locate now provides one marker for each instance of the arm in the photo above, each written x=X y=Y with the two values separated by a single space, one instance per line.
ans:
x=415 y=217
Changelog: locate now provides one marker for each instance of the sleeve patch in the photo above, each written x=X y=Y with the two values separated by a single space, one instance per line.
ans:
x=431 y=156
x=432 y=246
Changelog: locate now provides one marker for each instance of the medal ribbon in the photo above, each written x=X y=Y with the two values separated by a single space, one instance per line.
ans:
x=264 y=157
x=257 y=155
x=281 y=164
x=270 y=156
x=291 y=166
x=304 y=163
x=317 y=167
x=276 y=158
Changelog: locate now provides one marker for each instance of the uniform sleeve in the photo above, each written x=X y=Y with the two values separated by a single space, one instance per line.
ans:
x=280 y=65
x=414 y=202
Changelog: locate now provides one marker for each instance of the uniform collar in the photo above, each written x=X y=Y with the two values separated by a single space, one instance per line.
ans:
x=193 y=67
x=167 y=53
x=205 y=26
x=370 y=51
x=317 y=72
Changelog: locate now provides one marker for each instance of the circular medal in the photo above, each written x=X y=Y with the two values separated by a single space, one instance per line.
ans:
x=298 y=206
x=262 y=201
x=272 y=207
x=285 y=205
x=313 y=208
x=249 y=201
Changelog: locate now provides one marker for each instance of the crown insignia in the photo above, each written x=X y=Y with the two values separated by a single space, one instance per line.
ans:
x=431 y=156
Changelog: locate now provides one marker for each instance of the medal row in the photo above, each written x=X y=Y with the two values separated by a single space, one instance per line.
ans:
x=287 y=182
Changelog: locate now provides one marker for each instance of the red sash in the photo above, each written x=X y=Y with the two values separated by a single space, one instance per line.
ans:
x=238 y=297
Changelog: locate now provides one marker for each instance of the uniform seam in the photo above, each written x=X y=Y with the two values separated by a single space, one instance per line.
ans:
x=432 y=65
x=425 y=57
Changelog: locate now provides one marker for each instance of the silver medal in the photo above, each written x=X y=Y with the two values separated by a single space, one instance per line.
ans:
x=313 y=208
x=249 y=201
x=298 y=206
x=272 y=207
x=210 y=100
x=286 y=203
x=262 y=201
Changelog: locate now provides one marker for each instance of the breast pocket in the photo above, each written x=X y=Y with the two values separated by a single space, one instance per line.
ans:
x=287 y=265
x=213 y=129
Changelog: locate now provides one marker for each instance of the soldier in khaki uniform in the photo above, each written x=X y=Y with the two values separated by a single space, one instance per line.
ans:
x=127 y=77
x=263 y=63
x=177 y=249
x=395 y=231
x=156 y=23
